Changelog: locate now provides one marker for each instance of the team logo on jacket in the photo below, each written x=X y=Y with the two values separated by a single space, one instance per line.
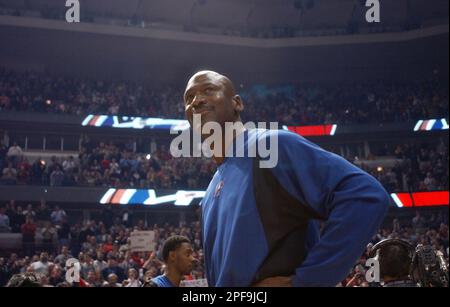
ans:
x=219 y=187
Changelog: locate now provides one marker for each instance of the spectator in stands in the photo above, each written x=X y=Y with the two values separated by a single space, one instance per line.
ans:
x=42 y=266
x=23 y=174
x=4 y=221
x=54 y=165
x=3 y=154
x=16 y=218
x=150 y=273
x=69 y=165
x=3 y=272
x=37 y=171
x=9 y=175
x=58 y=215
x=15 y=153
x=162 y=171
x=48 y=233
x=28 y=235
x=63 y=231
x=418 y=223
x=400 y=226
x=90 y=246
x=86 y=264
x=61 y=259
x=92 y=279
x=112 y=281
x=10 y=208
x=56 y=177
x=113 y=268
x=429 y=182
x=133 y=279
x=56 y=275
x=337 y=104
x=43 y=212
x=29 y=211
x=100 y=264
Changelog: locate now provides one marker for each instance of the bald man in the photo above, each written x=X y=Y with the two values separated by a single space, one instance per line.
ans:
x=260 y=225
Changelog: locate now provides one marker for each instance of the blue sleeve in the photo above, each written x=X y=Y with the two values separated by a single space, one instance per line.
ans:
x=352 y=202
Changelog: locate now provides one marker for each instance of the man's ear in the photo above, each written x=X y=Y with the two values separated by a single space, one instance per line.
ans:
x=238 y=104
x=172 y=256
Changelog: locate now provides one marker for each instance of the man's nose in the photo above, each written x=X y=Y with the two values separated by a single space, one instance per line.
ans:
x=198 y=100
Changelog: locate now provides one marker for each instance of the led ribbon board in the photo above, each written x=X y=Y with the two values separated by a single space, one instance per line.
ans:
x=148 y=197
x=421 y=199
x=431 y=124
x=113 y=121
x=312 y=130
x=185 y=198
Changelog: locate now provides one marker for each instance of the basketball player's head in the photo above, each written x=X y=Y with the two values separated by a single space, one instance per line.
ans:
x=213 y=96
x=178 y=254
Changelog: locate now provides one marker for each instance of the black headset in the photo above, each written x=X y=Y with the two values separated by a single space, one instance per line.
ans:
x=386 y=242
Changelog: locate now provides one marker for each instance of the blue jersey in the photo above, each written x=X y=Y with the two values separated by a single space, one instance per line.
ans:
x=162 y=281
x=259 y=223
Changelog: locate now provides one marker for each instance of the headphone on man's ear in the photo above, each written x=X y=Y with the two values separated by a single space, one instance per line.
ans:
x=386 y=242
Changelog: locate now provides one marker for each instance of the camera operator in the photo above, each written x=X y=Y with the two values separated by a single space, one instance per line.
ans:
x=403 y=265
x=395 y=258
x=429 y=268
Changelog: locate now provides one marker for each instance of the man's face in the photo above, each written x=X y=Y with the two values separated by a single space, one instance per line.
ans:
x=56 y=272
x=112 y=278
x=211 y=96
x=184 y=258
x=132 y=274
x=112 y=262
x=44 y=257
